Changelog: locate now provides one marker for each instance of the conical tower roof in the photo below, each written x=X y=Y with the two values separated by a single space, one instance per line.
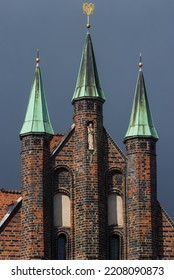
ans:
x=37 y=118
x=88 y=83
x=141 y=122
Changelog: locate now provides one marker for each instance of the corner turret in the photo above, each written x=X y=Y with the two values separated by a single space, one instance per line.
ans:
x=35 y=135
x=88 y=99
x=141 y=181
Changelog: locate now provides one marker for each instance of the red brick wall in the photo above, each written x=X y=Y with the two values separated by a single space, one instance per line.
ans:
x=36 y=191
x=7 y=198
x=141 y=199
x=115 y=183
x=87 y=181
x=166 y=236
x=90 y=205
x=62 y=179
x=89 y=188
x=10 y=232
x=55 y=141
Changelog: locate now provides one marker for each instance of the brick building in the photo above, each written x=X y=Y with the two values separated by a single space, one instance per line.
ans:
x=81 y=197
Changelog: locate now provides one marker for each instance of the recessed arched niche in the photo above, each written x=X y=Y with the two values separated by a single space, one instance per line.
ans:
x=61 y=210
x=115 y=209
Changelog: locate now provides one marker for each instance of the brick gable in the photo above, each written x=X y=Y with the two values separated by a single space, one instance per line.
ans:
x=166 y=235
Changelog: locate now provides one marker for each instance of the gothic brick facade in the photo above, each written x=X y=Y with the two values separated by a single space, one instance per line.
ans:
x=81 y=197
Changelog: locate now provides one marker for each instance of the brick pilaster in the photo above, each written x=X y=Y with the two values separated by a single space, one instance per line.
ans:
x=90 y=204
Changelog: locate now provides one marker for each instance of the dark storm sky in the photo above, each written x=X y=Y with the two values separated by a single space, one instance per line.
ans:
x=120 y=30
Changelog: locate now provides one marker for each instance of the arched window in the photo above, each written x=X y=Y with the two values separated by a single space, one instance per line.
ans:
x=115 y=180
x=62 y=180
x=61 y=247
x=114 y=247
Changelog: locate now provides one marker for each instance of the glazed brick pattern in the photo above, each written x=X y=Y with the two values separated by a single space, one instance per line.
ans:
x=90 y=204
x=166 y=235
x=62 y=181
x=10 y=232
x=141 y=199
x=115 y=182
x=113 y=161
x=87 y=177
x=62 y=174
x=35 y=215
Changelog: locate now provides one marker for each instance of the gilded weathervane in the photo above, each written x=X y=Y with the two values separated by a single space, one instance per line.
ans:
x=88 y=9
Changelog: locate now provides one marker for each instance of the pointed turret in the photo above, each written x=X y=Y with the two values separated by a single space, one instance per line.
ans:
x=88 y=83
x=141 y=199
x=141 y=122
x=36 y=135
x=37 y=117
x=89 y=143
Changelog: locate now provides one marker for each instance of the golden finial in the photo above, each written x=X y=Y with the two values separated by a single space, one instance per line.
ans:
x=37 y=57
x=140 y=63
x=88 y=9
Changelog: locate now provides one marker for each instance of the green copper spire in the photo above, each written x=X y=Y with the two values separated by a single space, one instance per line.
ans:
x=88 y=83
x=37 y=118
x=141 y=123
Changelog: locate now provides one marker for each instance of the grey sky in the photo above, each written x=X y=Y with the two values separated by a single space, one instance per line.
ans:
x=120 y=30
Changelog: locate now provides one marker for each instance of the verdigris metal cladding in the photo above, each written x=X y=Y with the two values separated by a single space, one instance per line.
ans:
x=141 y=122
x=88 y=83
x=37 y=117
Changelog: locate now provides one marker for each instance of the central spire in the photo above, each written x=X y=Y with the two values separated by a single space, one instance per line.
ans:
x=88 y=83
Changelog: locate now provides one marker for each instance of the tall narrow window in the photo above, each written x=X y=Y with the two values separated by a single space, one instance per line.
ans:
x=114 y=248
x=61 y=247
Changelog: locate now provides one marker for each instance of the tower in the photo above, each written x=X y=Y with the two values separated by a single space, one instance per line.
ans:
x=90 y=207
x=140 y=140
x=81 y=154
x=88 y=175
x=82 y=198
x=36 y=134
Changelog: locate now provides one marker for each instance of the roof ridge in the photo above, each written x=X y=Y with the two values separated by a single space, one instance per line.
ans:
x=113 y=142
x=66 y=135
x=166 y=215
x=10 y=191
x=8 y=214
